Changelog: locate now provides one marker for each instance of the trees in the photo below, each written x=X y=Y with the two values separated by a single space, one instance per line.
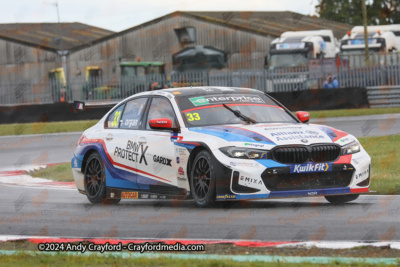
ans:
x=380 y=12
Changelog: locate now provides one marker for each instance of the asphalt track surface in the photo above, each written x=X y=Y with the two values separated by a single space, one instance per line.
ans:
x=19 y=151
x=66 y=213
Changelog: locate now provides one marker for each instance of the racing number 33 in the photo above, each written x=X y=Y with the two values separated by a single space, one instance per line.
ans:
x=116 y=119
x=193 y=116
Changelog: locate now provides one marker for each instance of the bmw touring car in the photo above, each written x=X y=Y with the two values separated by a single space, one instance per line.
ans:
x=215 y=144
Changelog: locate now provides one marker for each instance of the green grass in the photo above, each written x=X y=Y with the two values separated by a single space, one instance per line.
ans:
x=383 y=151
x=45 y=127
x=385 y=167
x=80 y=126
x=352 y=112
x=61 y=172
x=23 y=259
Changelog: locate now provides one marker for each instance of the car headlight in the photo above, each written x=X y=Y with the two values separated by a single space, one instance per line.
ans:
x=245 y=153
x=351 y=148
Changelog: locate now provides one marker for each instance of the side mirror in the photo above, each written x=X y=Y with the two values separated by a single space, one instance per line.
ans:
x=303 y=116
x=161 y=123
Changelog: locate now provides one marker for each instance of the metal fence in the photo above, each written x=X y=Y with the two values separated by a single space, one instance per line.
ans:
x=350 y=71
x=384 y=96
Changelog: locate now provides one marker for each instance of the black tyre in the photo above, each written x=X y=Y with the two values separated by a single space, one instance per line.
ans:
x=202 y=180
x=340 y=199
x=95 y=180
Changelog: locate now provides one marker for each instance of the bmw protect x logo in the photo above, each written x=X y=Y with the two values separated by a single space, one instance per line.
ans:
x=304 y=140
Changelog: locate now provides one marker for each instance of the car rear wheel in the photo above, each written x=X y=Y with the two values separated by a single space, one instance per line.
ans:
x=95 y=180
x=337 y=200
x=202 y=180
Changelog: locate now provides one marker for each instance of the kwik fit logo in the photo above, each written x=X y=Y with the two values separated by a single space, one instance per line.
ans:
x=311 y=167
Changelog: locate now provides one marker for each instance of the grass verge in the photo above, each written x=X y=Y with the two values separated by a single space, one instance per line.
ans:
x=60 y=172
x=385 y=163
x=383 y=151
x=80 y=126
x=24 y=259
x=45 y=127
x=352 y=112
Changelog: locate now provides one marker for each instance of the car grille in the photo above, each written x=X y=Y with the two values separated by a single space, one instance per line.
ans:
x=303 y=154
x=282 y=180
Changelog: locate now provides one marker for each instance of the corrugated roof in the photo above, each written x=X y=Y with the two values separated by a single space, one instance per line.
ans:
x=261 y=22
x=272 y=22
x=52 y=36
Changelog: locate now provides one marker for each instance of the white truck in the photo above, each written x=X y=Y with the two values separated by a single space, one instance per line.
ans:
x=295 y=49
x=381 y=38
x=292 y=56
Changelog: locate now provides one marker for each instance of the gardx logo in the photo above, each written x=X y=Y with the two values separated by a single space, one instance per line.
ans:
x=311 y=167
x=162 y=160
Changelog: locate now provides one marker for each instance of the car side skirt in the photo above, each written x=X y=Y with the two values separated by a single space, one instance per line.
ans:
x=122 y=193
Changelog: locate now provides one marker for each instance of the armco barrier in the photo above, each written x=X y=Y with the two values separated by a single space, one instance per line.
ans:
x=383 y=96
x=49 y=113
x=323 y=99
x=344 y=98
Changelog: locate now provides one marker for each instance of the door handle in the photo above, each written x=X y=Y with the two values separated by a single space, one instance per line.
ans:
x=109 y=137
x=142 y=140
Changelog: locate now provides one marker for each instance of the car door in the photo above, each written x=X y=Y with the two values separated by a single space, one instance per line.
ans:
x=160 y=162
x=120 y=138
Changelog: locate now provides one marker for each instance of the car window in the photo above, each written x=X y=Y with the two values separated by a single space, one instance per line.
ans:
x=114 y=118
x=131 y=118
x=161 y=108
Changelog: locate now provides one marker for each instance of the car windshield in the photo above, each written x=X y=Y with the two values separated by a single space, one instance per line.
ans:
x=361 y=51
x=288 y=60
x=219 y=109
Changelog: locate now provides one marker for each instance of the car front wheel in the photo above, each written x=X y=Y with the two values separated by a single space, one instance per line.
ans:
x=337 y=200
x=202 y=180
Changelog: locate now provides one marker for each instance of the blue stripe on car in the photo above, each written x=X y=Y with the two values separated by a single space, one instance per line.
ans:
x=233 y=134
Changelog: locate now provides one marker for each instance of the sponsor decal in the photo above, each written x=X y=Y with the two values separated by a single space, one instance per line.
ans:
x=176 y=93
x=144 y=196
x=181 y=178
x=180 y=151
x=199 y=101
x=312 y=193
x=346 y=139
x=131 y=152
x=131 y=122
x=75 y=163
x=250 y=181
x=243 y=164
x=311 y=167
x=129 y=195
x=363 y=174
x=162 y=160
x=153 y=196
x=177 y=160
x=220 y=99
x=295 y=135
x=226 y=196
x=253 y=145
x=181 y=171
x=304 y=140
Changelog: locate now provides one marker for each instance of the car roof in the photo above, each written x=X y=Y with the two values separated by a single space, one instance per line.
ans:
x=195 y=91
x=209 y=90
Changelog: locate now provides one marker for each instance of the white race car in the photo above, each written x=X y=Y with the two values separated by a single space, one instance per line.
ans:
x=215 y=144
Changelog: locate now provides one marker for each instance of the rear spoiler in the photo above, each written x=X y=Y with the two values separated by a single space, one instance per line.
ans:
x=81 y=105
